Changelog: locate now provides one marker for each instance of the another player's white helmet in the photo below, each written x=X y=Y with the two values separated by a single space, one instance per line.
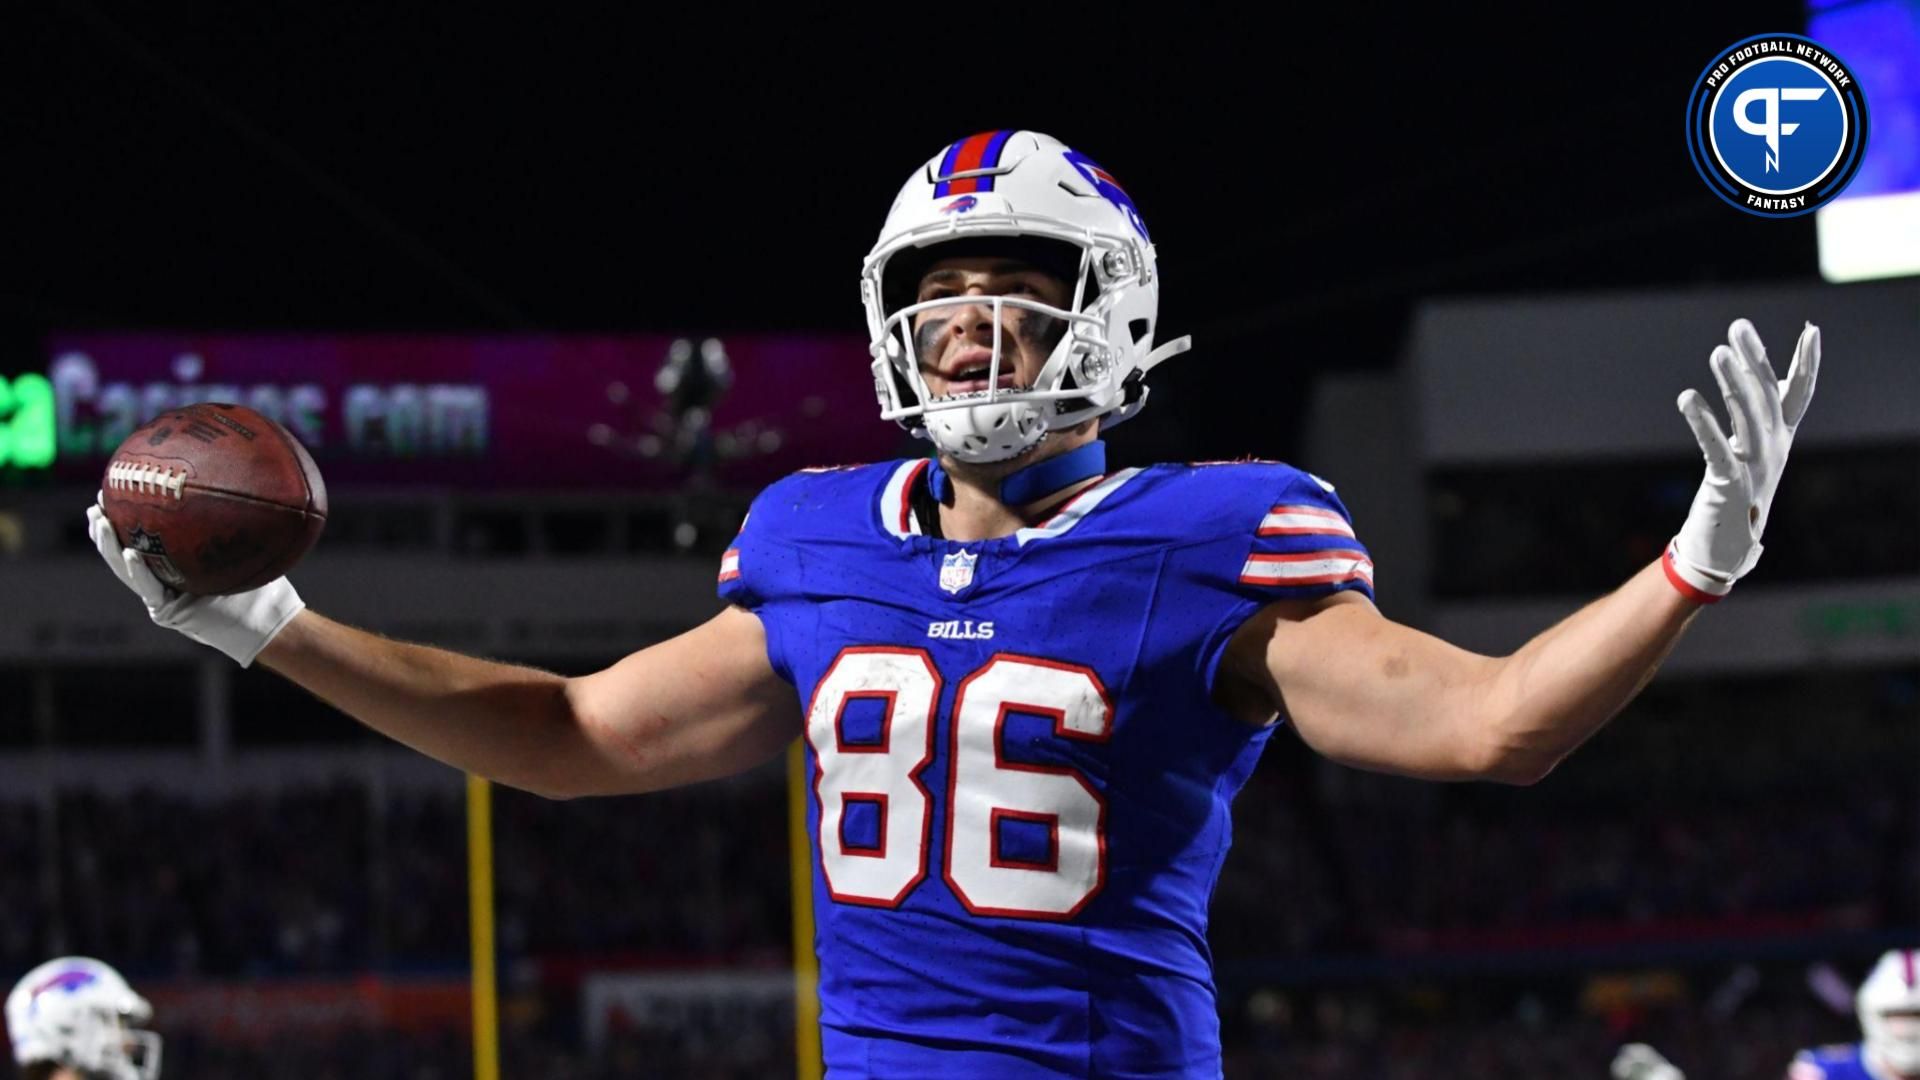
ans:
x=1889 y=1004
x=79 y=1012
x=1017 y=194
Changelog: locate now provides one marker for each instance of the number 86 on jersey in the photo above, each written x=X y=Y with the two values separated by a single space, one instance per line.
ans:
x=882 y=781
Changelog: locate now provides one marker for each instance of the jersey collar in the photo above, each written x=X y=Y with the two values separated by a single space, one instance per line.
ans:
x=896 y=504
x=1036 y=481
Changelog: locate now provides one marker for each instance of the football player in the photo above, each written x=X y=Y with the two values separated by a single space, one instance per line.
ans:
x=1029 y=683
x=75 y=1018
x=1889 y=1048
x=1889 y=1006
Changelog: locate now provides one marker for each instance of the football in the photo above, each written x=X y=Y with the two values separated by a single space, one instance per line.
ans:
x=216 y=498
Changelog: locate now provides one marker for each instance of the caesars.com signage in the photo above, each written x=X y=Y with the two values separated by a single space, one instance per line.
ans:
x=403 y=420
x=576 y=411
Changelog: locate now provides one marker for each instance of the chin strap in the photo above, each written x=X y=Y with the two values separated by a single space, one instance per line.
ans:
x=1165 y=352
x=1134 y=391
x=1036 y=481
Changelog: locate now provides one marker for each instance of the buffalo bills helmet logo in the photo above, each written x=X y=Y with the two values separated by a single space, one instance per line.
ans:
x=960 y=205
x=67 y=981
x=1109 y=189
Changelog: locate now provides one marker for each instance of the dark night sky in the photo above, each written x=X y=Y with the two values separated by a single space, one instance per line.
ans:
x=340 y=167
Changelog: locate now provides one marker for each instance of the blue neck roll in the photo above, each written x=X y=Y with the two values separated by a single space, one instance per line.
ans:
x=1036 y=481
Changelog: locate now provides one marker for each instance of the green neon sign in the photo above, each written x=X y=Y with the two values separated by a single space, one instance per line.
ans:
x=1894 y=618
x=26 y=422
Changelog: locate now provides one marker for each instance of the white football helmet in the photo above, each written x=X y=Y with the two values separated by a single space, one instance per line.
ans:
x=1893 y=988
x=79 y=1012
x=1025 y=195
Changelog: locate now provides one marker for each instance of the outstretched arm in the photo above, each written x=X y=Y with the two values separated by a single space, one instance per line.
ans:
x=701 y=705
x=1370 y=692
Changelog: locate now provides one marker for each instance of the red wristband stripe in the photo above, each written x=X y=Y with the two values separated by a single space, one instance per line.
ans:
x=1687 y=589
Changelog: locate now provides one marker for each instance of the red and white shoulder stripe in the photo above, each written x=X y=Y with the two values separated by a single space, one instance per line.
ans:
x=730 y=564
x=896 y=498
x=1336 y=559
x=1290 y=520
x=1332 y=566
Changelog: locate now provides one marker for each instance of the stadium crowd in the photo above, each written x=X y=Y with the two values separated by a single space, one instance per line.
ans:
x=1803 y=838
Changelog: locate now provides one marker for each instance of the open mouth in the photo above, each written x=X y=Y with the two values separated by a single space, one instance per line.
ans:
x=973 y=379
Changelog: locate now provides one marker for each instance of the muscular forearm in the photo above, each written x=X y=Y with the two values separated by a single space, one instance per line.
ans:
x=1565 y=684
x=511 y=724
x=1369 y=692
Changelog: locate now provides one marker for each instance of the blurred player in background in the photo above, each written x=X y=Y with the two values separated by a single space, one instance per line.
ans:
x=76 y=1019
x=1030 y=685
x=1889 y=1049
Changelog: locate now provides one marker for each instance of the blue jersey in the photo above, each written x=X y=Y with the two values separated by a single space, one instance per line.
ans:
x=1020 y=779
x=1832 y=1063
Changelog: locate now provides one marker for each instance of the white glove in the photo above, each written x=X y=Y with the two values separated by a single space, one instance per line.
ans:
x=239 y=625
x=1638 y=1061
x=1720 y=541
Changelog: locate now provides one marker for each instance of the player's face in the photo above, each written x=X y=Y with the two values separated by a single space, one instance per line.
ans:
x=1897 y=1041
x=955 y=344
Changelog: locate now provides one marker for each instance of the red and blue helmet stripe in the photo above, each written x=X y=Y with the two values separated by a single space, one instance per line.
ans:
x=972 y=153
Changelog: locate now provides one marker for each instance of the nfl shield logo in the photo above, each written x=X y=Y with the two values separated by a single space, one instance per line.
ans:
x=956 y=571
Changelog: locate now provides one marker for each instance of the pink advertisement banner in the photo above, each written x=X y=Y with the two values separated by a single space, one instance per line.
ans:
x=601 y=412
